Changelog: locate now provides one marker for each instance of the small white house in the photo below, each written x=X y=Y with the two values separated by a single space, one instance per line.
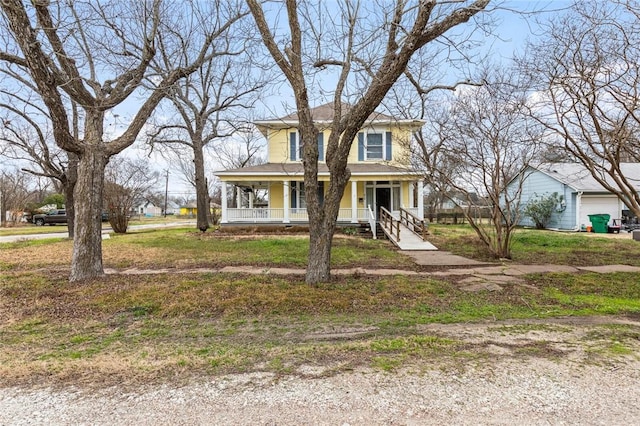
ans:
x=149 y=209
x=581 y=194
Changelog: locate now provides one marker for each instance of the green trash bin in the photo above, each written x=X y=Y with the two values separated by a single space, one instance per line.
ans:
x=600 y=222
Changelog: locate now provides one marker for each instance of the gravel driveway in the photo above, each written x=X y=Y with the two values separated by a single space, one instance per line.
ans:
x=541 y=392
x=569 y=378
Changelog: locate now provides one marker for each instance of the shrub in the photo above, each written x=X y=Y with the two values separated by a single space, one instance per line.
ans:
x=542 y=208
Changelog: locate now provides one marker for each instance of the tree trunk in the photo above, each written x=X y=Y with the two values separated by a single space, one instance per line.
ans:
x=71 y=176
x=69 y=207
x=202 y=191
x=320 y=241
x=119 y=219
x=86 y=262
x=322 y=225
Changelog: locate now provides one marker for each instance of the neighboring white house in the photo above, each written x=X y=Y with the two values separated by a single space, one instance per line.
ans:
x=148 y=209
x=582 y=194
x=173 y=208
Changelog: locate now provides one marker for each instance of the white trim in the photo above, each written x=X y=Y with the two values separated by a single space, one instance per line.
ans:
x=298 y=147
x=383 y=144
x=285 y=200
x=578 y=204
x=420 y=199
x=223 y=194
x=354 y=201
x=391 y=185
x=284 y=124
x=412 y=187
x=301 y=173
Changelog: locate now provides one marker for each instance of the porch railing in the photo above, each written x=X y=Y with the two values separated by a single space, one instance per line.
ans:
x=413 y=223
x=257 y=215
x=391 y=224
x=412 y=210
x=372 y=221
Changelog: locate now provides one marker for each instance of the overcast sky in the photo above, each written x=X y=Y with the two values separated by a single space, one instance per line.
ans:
x=515 y=24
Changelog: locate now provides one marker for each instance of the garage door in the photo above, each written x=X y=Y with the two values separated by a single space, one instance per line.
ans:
x=599 y=205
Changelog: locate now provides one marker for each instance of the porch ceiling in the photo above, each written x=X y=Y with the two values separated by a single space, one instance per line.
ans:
x=294 y=171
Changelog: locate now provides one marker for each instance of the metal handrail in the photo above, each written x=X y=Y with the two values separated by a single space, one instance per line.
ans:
x=390 y=223
x=414 y=223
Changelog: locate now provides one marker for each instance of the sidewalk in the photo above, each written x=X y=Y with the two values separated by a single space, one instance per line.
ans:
x=105 y=231
x=472 y=275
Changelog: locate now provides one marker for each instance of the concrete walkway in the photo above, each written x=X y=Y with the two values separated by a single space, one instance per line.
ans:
x=481 y=277
x=439 y=258
x=105 y=231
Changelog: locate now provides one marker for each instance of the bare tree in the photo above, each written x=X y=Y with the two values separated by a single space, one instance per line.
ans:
x=16 y=191
x=588 y=71
x=244 y=149
x=126 y=181
x=436 y=69
x=477 y=148
x=207 y=104
x=27 y=137
x=370 y=45
x=97 y=54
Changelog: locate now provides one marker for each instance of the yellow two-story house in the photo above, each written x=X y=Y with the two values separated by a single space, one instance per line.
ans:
x=379 y=163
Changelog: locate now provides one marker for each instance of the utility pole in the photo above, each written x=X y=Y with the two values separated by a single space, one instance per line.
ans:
x=166 y=192
x=3 y=218
x=3 y=189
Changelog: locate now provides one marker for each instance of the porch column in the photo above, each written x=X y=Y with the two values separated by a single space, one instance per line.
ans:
x=223 y=195
x=238 y=197
x=421 y=199
x=251 y=199
x=412 y=189
x=286 y=202
x=354 y=201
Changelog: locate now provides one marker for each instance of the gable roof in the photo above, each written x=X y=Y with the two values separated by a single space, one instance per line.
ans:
x=576 y=175
x=324 y=114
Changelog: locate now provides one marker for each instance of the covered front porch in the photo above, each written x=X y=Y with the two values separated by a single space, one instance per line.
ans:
x=277 y=196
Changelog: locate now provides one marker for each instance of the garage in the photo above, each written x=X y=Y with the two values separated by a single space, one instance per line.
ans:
x=604 y=204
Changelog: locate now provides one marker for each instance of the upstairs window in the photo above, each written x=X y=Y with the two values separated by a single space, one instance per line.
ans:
x=374 y=146
x=295 y=150
x=295 y=147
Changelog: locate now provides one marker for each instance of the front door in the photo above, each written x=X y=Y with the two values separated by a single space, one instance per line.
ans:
x=383 y=199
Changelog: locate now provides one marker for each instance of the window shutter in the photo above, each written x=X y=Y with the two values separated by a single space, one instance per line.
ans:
x=360 y=146
x=292 y=146
x=388 y=151
x=320 y=146
x=294 y=193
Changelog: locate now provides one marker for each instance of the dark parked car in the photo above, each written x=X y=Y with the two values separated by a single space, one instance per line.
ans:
x=58 y=216
x=52 y=217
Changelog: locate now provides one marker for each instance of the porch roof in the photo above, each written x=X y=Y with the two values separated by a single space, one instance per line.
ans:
x=280 y=171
